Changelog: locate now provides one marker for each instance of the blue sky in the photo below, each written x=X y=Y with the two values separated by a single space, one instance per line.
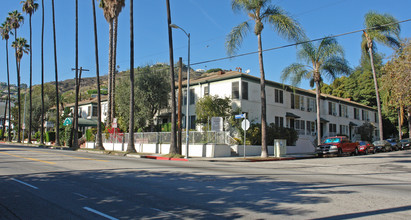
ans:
x=208 y=22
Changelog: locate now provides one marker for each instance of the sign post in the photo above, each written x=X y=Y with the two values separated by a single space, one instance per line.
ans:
x=244 y=125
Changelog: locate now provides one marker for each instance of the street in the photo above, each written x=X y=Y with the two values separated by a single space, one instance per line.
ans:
x=39 y=183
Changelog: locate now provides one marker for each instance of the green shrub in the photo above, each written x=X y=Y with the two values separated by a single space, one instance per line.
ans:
x=273 y=132
x=91 y=134
x=50 y=136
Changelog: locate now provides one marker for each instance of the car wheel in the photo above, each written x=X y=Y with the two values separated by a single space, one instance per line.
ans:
x=374 y=151
x=366 y=151
x=356 y=152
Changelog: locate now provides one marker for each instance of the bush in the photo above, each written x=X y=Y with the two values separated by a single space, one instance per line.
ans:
x=273 y=132
x=50 y=136
x=91 y=134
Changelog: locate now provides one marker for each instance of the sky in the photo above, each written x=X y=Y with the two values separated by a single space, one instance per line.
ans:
x=207 y=21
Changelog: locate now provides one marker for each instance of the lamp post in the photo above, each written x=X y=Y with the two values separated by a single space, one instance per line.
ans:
x=188 y=85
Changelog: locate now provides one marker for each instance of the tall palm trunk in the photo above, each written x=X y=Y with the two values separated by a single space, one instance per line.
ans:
x=264 y=150
x=130 y=146
x=4 y=120
x=173 y=146
x=31 y=81
x=42 y=73
x=75 y=116
x=8 y=89
x=317 y=100
x=377 y=94
x=99 y=144
x=110 y=74
x=18 y=92
x=57 y=126
x=113 y=68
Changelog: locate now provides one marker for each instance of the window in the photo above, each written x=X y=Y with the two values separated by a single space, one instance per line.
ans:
x=310 y=127
x=356 y=113
x=365 y=115
x=376 y=117
x=332 y=108
x=244 y=90
x=192 y=97
x=206 y=92
x=94 y=111
x=235 y=93
x=193 y=122
x=279 y=96
x=343 y=111
x=344 y=129
x=297 y=102
x=332 y=128
x=185 y=97
x=311 y=106
x=299 y=126
x=89 y=111
x=279 y=121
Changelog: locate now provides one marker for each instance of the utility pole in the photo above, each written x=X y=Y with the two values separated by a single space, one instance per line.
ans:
x=180 y=63
x=75 y=116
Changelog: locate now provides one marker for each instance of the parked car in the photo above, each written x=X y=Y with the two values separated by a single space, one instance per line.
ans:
x=405 y=144
x=394 y=143
x=366 y=147
x=382 y=146
x=337 y=145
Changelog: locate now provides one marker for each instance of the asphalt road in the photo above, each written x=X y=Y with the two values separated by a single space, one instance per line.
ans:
x=40 y=183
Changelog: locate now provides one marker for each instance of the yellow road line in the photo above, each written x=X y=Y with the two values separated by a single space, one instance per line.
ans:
x=83 y=158
x=28 y=158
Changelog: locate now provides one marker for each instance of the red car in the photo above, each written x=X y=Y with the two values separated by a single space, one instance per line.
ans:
x=366 y=147
x=337 y=145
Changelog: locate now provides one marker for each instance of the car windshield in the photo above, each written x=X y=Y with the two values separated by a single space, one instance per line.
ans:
x=363 y=143
x=405 y=141
x=332 y=140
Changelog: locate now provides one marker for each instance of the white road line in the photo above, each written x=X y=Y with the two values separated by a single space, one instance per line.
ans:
x=24 y=183
x=82 y=196
x=168 y=213
x=99 y=213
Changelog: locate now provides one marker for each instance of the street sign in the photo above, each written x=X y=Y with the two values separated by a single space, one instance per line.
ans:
x=217 y=123
x=67 y=121
x=245 y=125
x=239 y=116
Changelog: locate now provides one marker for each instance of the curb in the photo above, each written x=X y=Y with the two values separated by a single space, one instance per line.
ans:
x=164 y=158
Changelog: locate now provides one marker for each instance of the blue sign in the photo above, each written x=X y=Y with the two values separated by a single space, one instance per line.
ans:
x=239 y=116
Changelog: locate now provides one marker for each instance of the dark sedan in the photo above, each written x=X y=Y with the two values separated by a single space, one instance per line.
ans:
x=405 y=144
x=382 y=146
x=394 y=144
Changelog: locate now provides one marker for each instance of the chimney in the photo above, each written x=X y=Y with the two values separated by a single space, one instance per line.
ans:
x=221 y=72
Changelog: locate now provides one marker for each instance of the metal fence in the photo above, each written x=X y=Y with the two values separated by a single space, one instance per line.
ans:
x=195 y=137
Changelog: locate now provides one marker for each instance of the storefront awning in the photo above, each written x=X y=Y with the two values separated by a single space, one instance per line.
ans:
x=352 y=124
x=323 y=120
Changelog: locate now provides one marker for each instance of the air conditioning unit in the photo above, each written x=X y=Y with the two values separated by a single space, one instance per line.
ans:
x=302 y=109
x=335 y=113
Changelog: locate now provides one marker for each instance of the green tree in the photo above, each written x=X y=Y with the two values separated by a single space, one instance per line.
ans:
x=99 y=143
x=212 y=106
x=30 y=6
x=5 y=34
x=324 y=59
x=261 y=11
x=382 y=28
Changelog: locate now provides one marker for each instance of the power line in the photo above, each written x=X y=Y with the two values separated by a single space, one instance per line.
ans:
x=295 y=44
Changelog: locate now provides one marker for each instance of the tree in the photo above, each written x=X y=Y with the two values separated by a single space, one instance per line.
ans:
x=324 y=59
x=99 y=143
x=261 y=11
x=57 y=81
x=212 y=106
x=382 y=28
x=130 y=145
x=5 y=34
x=15 y=19
x=173 y=144
x=394 y=82
x=21 y=47
x=30 y=6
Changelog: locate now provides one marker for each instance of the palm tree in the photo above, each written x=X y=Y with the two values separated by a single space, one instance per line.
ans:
x=99 y=144
x=130 y=146
x=5 y=31
x=379 y=30
x=326 y=58
x=107 y=7
x=30 y=6
x=21 y=47
x=15 y=19
x=261 y=11
x=57 y=81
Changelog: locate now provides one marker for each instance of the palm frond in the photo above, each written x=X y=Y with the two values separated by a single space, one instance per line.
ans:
x=329 y=47
x=307 y=53
x=235 y=37
x=284 y=24
x=295 y=73
x=383 y=28
x=335 y=66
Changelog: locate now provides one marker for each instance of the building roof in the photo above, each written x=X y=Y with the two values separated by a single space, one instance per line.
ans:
x=87 y=101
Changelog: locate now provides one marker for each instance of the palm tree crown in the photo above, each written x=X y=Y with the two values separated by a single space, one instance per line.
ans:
x=21 y=47
x=5 y=30
x=15 y=19
x=29 y=6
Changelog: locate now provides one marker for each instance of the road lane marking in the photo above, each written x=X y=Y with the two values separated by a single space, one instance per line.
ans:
x=82 y=196
x=19 y=181
x=28 y=158
x=99 y=213
x=83 y=158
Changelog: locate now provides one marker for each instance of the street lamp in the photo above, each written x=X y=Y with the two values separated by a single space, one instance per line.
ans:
x=188 y=85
